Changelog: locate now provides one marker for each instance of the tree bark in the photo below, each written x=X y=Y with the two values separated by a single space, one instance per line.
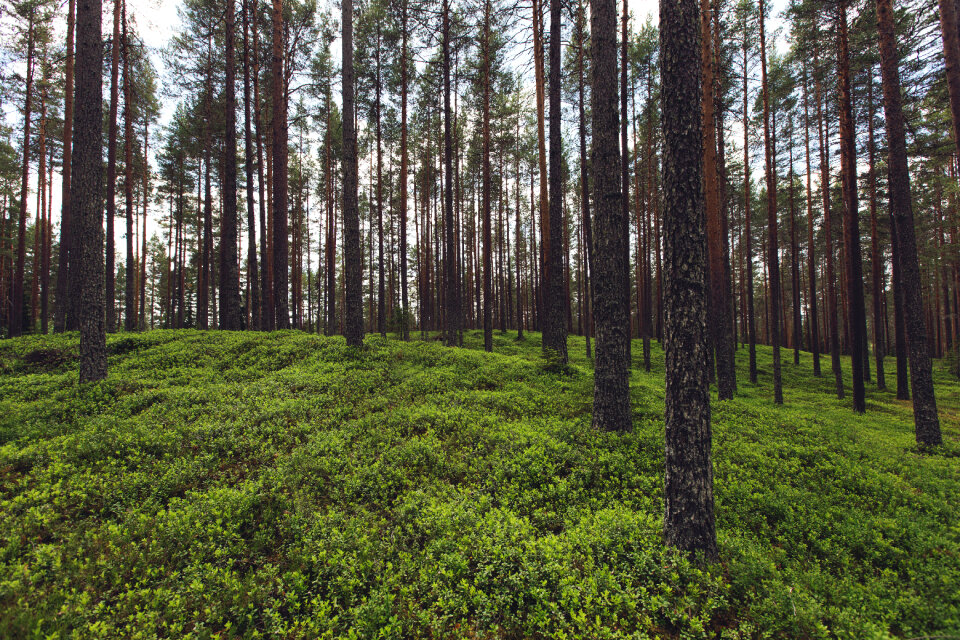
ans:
x=688 y=492
x=280 y=272
x=16 y=315
x=854 y=267
x=353 y=324
x=555 y=328
x=611 y=397
x=253 y=274
x=921 y=376
x=231 y=314
x=86 y=189
x=773 y=259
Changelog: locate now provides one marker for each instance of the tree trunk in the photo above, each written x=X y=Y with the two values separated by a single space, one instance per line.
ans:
x=625 y=177
x=16 y=315
x=854 y=267
x=231 y=314
x=876 y=261
x=611 y=397
x=811 y=261
x=773 y=259
x=112 y=169
x=65 y=299
x=253 y=275
x=688 y=491
x=280 y=274
x=748 y=233
x=404 y=303
x=721 y=338
x=353 y=324
x=485 y=171
x=924 y=401
x=555 y=328
x=86 y=189
x=832 y=319
x=451 y=284
x=129 y=310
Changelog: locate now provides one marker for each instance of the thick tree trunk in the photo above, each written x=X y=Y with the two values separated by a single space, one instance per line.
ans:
x=451 y=282
x=924 y=401
x=86 y=189
x=611 y=395
x=688 y=492
x=280 y=274
x=555 y=328
x=353 y=323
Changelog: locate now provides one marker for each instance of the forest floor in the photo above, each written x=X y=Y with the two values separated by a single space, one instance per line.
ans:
x=224 y=485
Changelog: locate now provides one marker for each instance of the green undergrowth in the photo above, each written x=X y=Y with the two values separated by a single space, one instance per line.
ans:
x=282 y=485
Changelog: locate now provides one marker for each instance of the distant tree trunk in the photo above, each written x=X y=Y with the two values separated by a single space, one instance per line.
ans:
x=748 y=233
x=253 y=275
x=541 y=156
x=485 y=171
x=451 y=284
x=876 y=261
x=848 y=161
x=280 y=275
x=129 y=311
x=832 y=320
x=721 y=337
x=231 y=313
x=611 y=391
x=65 y=307
x=330 y=247
x=555 y=328
x=796 y=333
x=112 y=169
x=404 y=303
x=353 y=325
x=86 y=189
x=688 y=492
x=267 y=317
x=584 y=174
x=924 y=401
x=811 y=258
x=773 y=259
x=16 y=315
x=381 y=303
x=142 y=323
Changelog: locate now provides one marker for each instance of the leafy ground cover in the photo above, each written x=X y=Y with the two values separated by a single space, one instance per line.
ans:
x=222 y=485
